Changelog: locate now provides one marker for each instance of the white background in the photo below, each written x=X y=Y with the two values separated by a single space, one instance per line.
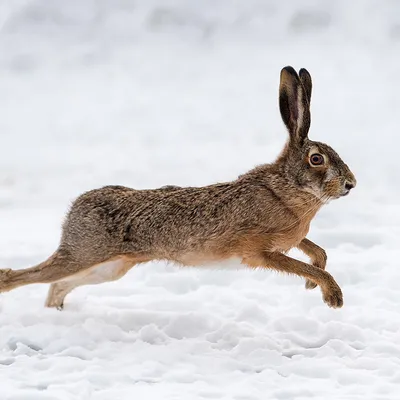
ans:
x=149 y=92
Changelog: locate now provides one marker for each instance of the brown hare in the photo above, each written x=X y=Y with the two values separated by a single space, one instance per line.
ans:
x=257 y=218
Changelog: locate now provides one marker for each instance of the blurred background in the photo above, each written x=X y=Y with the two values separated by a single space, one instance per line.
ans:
x=148 y=92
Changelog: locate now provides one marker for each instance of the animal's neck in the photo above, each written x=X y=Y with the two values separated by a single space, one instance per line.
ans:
x=304 y=205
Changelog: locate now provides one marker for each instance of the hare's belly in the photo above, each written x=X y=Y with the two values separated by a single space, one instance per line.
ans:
x=206 y=260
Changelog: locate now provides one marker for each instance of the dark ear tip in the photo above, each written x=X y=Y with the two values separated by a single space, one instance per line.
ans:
x=290 y=70
x=304 y=72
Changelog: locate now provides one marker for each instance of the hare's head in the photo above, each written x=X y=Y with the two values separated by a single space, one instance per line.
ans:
x=312 y=166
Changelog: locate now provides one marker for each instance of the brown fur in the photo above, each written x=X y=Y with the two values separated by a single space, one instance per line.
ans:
x=257 y=217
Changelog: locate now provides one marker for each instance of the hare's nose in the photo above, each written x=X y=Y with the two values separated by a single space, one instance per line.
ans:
x=349 y=185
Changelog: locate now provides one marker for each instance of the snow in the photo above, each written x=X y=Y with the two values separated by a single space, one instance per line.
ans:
x=152 y=92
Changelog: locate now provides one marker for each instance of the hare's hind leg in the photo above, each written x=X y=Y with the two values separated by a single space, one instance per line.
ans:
x=60 y=265
x=317 y=256
x=105 y=272
x=331 y=291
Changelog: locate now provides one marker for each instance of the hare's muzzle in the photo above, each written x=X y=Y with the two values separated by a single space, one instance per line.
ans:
x=349 y=183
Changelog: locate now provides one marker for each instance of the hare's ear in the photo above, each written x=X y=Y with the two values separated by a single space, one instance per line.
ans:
x=294 y=103
x=305 y=78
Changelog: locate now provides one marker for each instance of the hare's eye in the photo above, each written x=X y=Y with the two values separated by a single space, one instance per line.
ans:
x=316 y=159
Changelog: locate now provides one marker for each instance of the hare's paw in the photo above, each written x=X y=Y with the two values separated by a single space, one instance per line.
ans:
x=56 y=295
x=55 y=303
x=333 y=296
x=310 y=284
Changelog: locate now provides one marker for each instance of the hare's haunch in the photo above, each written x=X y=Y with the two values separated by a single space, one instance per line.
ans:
x=257 y=218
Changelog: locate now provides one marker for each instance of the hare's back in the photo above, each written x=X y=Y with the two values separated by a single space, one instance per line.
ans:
x=147 y=218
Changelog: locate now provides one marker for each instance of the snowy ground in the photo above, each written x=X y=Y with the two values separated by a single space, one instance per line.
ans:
x=148 y=93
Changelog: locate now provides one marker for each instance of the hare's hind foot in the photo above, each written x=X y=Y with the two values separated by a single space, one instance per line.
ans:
x=66 y=271
x=105 y=272
x=5 y=284
x=56 y=295
x=56 y=267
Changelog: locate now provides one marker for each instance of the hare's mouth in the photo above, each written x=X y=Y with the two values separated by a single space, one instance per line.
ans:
x=336 y=188
x=344 y=193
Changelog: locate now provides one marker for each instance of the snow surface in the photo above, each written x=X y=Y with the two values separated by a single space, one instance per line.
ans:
x=153 y=92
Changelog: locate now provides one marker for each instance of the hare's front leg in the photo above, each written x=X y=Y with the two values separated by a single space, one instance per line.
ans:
x=331 y=291
x=317 y=256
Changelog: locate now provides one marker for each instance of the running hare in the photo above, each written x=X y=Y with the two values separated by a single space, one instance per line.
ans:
x=257 y=218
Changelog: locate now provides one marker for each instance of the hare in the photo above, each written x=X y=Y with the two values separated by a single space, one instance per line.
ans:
x=257 y=218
